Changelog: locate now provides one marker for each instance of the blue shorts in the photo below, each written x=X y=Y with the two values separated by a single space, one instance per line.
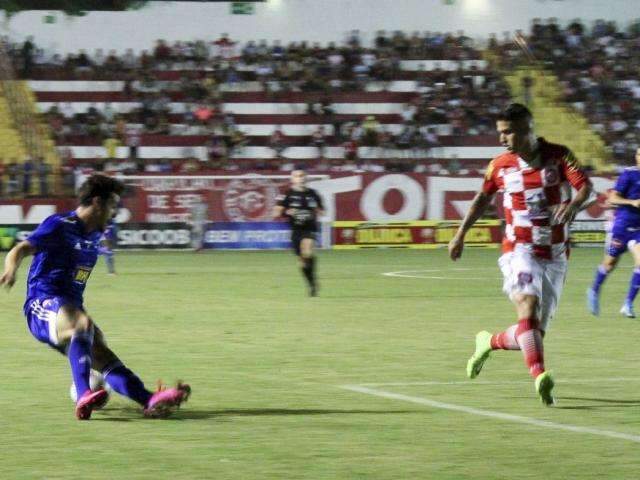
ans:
x=620 y=238
x=41 y=316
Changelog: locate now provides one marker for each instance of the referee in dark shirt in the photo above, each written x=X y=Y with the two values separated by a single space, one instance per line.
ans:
x=302 y=206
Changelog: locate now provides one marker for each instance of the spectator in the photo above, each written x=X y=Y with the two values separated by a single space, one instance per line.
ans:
x=527 y=86
x=405 y=139
x=43 y=170
x=350 y=148
x=83 y=65
x=27 y=171
x=67 y=111
x=27 y=52
x=98 y=59
x=318 y=140
x=429 y=138
x=112 y=65
x=13 y=175
x=111 y=145
x=133 y=140
x=277 y=141
x=203 y=113
x=237 y=141
x=108 y=113
x=408 y=113
x=225 y=47
x=162 y=54
x=217 y=151
x=93 y=120
x=370 y=131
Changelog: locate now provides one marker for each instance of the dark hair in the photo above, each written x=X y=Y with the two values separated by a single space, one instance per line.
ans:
x=99 y=185
x=515 y=112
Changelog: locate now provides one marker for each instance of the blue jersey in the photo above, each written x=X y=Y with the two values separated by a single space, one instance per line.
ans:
x=65 y=255
x=110 y=233
x=628 y=186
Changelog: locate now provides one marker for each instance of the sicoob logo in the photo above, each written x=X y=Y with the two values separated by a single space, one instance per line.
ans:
x=250 y=199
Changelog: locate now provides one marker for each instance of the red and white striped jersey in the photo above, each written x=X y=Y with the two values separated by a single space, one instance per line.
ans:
x=532 y=192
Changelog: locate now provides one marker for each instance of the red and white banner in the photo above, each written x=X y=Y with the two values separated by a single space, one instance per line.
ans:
x=378 y=197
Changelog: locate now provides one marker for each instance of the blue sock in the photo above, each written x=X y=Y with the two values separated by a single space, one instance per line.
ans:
x=80 y=359
x=601 y=276
x=634 y=285
x=126 y=383
x=108 y=258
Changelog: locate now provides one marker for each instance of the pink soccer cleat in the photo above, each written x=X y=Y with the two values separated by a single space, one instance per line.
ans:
x=90 y=401
x=166 y=400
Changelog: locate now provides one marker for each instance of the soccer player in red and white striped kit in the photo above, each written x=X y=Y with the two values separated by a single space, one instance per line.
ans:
x=535 y=177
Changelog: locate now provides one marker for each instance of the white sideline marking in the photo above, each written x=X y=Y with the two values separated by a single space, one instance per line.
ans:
x=514 y=382
x=491 y=414
x=423 y=274
x=428 y=273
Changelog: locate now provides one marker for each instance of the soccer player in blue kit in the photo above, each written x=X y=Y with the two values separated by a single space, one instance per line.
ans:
x=624 y=234
x=107 y=244
x=65 y=249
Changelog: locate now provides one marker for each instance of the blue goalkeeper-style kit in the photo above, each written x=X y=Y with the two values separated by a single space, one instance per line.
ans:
x=625 y=230
x=65 y=255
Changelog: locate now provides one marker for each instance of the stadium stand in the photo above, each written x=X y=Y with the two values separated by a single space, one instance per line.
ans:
x=411 y=103
x=597 y=73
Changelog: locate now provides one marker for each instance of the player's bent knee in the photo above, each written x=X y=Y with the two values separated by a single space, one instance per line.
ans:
x=83 y=324
x=526 y=305
x=71 y=321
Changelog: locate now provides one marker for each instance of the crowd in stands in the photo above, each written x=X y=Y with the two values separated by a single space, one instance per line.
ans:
x=298 y=62
x=598 y=67
x=32 y=177
x=467 y=100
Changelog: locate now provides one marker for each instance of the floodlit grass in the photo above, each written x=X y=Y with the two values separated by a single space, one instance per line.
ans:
x=266 y=364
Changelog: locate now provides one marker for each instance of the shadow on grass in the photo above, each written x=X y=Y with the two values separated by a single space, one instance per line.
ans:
x=128 y=414
x=600 y=403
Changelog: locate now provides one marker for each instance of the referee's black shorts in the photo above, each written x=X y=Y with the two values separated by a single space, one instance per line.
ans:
x=297 y=235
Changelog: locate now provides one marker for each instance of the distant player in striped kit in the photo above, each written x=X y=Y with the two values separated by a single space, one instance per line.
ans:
x=535 y=177
x=623 y=235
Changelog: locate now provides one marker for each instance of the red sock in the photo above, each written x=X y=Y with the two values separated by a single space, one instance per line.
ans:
x=505 y=340
x=530 y=340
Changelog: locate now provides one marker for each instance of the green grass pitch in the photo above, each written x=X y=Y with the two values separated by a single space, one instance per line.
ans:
x=267 y=364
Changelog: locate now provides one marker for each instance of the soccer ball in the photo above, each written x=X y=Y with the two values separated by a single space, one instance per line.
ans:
x=96 y=381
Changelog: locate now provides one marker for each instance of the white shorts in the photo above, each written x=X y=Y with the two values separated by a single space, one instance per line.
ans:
x=529 y=275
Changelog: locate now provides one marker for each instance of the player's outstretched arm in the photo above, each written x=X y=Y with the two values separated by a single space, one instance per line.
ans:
x=13 y=260
x=479 y=205
x=614 y=198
